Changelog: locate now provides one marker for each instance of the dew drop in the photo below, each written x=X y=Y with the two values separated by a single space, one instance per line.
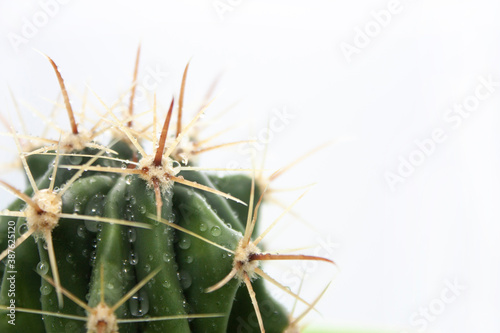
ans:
x=133 y=259
x=203 y=227
x=215 y=231
x=189 y=259
x=23 y=228
x=186 y=279
x=139 y=304
x=71 y=327
x=81 y=231
x=45 y=289
x=91 y=226
x=185 y=243
x=132 y=235
x=166 y=284
x=42 y=267
x=70 y=258
x=147 y=268
x=75 y=159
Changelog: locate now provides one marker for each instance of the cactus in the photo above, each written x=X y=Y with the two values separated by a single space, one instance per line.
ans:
x=109 y=238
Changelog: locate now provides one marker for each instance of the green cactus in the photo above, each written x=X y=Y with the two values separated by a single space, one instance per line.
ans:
x=109 y=238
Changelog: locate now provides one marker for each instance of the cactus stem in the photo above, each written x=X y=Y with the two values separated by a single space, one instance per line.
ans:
x=135 y=289
x=102 y=317
x=132 y=93
x=247 y=255
x=181 y=100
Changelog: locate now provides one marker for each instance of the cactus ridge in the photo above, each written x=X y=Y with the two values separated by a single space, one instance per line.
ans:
x=137 y=242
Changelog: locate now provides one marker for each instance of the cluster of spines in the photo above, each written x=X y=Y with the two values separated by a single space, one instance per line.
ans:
x=179 y=220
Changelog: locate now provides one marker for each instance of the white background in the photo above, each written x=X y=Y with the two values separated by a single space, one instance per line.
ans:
x=395 y=248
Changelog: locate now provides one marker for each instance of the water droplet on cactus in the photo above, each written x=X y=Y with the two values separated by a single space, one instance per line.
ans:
x=167 y=257
x=91 y=226
x=132 y=235
x=133 y=259
x=70 y=258
x=128 y=180
x=166 y=284
x=215 y=231
x=71 y=327
x=80 y=231
x=147 y=268
x=139 y=304
x=189 y=259
x=203 y=227
x=185 y=243
x=77 y=207
x=23 y=228
x=42 y=267
x=45 y=289
x=185 y=279
x=75 y=159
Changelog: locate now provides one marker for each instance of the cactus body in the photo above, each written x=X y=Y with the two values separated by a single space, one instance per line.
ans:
x=136 y=245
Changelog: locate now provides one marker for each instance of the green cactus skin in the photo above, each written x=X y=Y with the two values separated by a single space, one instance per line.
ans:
x=112 y=235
